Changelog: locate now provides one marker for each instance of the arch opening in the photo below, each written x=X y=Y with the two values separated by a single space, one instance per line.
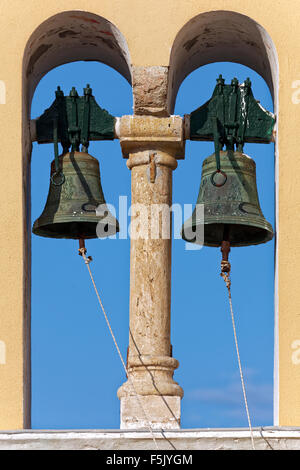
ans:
x=69 y=338
x=210 y=348
x=224 y=36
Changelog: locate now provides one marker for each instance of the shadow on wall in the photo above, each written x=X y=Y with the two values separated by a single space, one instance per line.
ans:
x=222 y=36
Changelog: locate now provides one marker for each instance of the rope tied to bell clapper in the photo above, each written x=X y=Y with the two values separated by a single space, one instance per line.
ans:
x=87 y=260
x=225 y=274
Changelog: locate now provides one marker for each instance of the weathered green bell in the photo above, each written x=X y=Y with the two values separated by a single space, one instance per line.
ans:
x=75 y=194
x=231 y=205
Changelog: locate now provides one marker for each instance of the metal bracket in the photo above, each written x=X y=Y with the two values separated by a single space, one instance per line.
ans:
x=232 y=117
x=79 y=120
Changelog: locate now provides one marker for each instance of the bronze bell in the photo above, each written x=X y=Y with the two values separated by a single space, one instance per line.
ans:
x=74 y=195
x=231 y=206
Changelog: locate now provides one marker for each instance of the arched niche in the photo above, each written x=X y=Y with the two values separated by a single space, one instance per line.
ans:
x=66 y=37
x=227 y=36
x=222 y=36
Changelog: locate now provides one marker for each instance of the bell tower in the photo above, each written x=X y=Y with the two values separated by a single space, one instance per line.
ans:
x=154 y=55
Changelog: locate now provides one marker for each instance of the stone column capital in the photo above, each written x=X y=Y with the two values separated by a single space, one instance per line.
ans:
x=141 y=133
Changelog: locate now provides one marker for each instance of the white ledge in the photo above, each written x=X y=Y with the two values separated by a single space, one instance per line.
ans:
x=268 y=438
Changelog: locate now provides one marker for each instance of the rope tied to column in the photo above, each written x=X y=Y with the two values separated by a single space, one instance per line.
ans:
x=225 y=274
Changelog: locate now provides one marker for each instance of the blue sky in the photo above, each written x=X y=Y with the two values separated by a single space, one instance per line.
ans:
x=75 y=369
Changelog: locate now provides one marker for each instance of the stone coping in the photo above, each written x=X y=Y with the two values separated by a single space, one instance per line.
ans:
x=266 y=438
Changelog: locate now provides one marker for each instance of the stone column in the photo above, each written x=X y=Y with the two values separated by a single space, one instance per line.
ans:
x=152 y=144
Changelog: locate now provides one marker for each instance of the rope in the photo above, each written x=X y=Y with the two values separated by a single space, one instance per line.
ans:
x=225 y=273
x=87 y=261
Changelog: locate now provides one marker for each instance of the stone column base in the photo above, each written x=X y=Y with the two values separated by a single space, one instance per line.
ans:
x=163 y=412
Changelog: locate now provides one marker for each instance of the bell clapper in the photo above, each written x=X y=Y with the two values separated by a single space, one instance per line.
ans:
x=82 y=248
x=82 y=251
x=225 y=249
x=225 y=265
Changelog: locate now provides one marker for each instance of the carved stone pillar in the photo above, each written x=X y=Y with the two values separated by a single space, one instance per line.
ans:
x=152 y=144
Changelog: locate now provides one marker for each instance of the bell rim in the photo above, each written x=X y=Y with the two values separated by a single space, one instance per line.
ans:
x=39 y=225
x=40 y=232
x=266 y=227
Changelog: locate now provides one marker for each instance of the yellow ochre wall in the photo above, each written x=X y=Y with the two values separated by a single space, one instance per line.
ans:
x=150 y=28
